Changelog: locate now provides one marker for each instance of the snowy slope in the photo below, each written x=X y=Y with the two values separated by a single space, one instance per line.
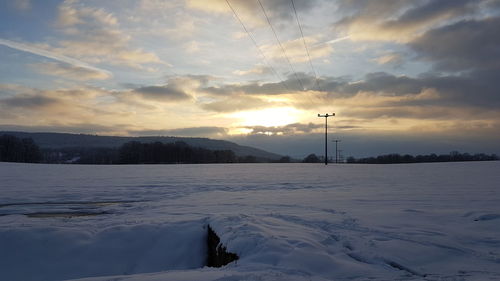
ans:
x=285 y=221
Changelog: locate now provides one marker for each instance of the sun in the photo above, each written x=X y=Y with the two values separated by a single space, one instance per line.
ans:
x=269 y=117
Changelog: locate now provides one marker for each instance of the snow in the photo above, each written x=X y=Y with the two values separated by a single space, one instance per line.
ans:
x=437 y=221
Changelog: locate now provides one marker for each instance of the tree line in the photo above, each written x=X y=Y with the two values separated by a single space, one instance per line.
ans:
x=429 y=158
x=179 y=152
x=14 y=149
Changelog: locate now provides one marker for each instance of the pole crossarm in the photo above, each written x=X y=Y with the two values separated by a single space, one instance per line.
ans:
x=326 y=134
x=326 y=115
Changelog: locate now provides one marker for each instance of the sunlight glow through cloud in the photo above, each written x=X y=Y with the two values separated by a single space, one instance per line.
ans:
x=278 y=116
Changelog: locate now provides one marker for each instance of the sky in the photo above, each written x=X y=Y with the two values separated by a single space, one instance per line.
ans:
x=401 y=76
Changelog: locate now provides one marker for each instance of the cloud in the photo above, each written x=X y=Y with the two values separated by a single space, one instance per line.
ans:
x=336 y=86
x=162 y=93
x=177 y=89
x=399 y=21
x=336 y=40
x=13 y=89
x=76 y=128
x=166 y=20
x=157 y=5
x=380 y=82
x=192 y=47
x=296 y=52
x=70 y=71
x=384 y=96
x=250 y=11
x=390 y=59
x=94 y=35
x=473 y=89
x=73 y=63
x=433 y=114
x=290 y=129
x=257 y=70
x=213 y=6
x=236 y=103
x=35 y=107
x=288 y=86
x=206 y=131
x=71 y=14
x=465 y=45
x=252 y=88
x=28 y=102
x=22 y=5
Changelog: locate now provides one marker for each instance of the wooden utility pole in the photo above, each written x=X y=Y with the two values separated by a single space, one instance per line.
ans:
x=326 y=133
x=336 y=151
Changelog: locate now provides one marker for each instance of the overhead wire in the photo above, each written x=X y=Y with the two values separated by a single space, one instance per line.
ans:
x=258 y=47
x=281 y=46
x=305 y=46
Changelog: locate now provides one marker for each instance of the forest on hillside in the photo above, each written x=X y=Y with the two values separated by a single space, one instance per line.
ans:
x=14 y=149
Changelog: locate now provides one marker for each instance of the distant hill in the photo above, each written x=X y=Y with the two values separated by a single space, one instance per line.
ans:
x=63 y=140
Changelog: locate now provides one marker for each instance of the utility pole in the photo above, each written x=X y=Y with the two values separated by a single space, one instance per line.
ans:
x=326 y=133
x=336 y=151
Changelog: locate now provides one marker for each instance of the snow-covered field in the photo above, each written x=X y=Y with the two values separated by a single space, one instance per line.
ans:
x=285 y=221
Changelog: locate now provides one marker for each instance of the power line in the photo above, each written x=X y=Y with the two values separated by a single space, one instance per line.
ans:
x=281 y=46
x=258 y=47
x=305 y=46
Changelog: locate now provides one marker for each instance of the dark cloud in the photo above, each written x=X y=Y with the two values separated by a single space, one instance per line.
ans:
x=378 y=82
x=78 y=128
x=337 y=86
x=402 y=110
x=252 y=88
x=465 y=45
x=368 y=8
x=282 y=9
x=28 y=101
x=475 y=89
x=162 y=93
x=434 y=9
x=175 y=81
x=288 y=86
x=493 y=6
x=478 y=88
x=401 y=21
x=184 y=132
x=203 y=80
